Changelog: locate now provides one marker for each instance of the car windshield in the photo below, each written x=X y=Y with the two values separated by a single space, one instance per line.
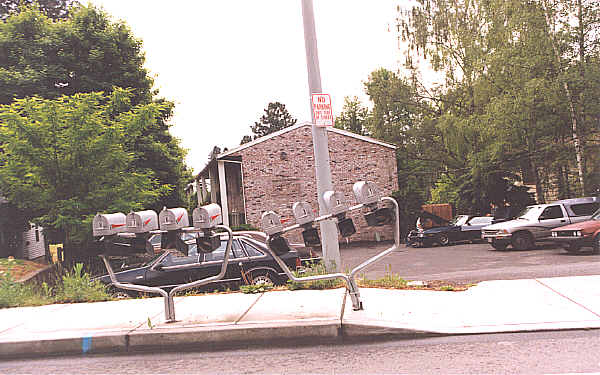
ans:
x=530 y=212
x=596 y=215
x=459 y=220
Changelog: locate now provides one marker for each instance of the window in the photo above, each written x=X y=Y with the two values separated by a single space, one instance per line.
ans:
x=481 y=220
x=585 y=209
x=551 y=212
x=219 y=254
x=37 y=235
x=252 y=250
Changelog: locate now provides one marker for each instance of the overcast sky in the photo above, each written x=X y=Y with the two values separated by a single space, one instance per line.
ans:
x=222 y=62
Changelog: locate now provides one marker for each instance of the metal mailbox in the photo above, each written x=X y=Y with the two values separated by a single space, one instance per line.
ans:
x=305 y=218
x=208 y=216
x=366 y=192
x=303 y=213
x=271 y=223
x=335 y=202
x=142 y=221
x=173 y=218
x=108 y=224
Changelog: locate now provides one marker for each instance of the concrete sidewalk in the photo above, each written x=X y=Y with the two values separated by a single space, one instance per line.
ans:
x=221 y=319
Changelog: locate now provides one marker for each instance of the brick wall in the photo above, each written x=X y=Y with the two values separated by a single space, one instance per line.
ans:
x=281 y=171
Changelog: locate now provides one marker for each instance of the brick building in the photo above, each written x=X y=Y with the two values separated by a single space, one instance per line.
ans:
x=274 y=171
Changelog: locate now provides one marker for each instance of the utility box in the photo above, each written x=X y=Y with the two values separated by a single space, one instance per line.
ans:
x=108 y=224
x=173 y=218
x=141 y=221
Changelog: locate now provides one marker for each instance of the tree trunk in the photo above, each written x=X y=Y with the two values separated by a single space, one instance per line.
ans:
x=572 y=111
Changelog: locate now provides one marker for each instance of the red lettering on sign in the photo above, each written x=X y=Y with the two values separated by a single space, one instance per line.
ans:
x=147 y=221
x=179 y=218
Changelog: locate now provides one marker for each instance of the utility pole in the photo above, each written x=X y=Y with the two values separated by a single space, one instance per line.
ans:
x=331 y=248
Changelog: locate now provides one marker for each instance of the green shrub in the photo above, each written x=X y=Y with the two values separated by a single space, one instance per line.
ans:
x=77 y=287
x=314 y=269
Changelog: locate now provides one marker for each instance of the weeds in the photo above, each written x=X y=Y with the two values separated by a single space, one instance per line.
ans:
x=254 y=289
x=77 y=287
x=314 y=269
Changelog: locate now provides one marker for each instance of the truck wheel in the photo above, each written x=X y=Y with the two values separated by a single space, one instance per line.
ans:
x=499 y=245
x=572 y=248
x=522 y=241
x=443 y=240
x=596 y=245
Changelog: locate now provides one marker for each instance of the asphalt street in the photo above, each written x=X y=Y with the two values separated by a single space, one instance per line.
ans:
x=524 y=353
x=471 y=263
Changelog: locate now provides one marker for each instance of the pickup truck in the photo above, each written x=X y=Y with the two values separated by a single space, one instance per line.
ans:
x=573 y=237
x=536 y=222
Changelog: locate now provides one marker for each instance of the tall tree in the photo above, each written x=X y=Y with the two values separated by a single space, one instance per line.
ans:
x=87 y=52
x=353 y=117
x=64 y=160
x=55 y=9
x=275 y=118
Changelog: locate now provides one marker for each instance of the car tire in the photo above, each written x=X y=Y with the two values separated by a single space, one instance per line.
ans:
x=596 y=244
x=498 y=245
x=263 y=277
x=443 y=239
x=522 y=241
x=572 y=248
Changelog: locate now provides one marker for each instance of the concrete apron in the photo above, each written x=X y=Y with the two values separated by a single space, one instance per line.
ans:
x=221 y=319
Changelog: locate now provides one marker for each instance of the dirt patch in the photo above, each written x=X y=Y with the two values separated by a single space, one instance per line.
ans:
x=19 y=268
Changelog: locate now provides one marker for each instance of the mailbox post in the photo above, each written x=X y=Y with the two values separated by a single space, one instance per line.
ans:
x=368 y=196
x=172 y=222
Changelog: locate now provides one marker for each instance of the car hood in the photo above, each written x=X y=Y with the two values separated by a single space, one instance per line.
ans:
x=129 y=276
x=591 y=225
x=439 y=229
x=515 y=223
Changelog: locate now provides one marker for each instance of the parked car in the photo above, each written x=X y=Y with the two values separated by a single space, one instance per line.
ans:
x=575 y=236
x=249 y=262
x=461 y=228
x=536 y=222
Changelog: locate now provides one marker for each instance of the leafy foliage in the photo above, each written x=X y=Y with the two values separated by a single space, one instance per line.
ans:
x=64 y=160
x=85 y=53
x=54 y=9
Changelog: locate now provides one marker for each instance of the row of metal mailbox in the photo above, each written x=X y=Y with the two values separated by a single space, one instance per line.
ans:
x=169 y=219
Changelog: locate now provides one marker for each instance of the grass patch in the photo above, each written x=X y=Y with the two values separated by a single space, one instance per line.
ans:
x=14 y=294
x=314 y=269
x=388 y=281
x=254 y=289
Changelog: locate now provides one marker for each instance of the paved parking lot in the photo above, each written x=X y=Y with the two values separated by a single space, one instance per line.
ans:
x=472 y=262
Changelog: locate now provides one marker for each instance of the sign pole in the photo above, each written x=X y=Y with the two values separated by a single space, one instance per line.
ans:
x=331 y=248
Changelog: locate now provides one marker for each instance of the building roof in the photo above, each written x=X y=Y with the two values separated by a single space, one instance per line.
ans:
x=289 y=129
x=294 y=127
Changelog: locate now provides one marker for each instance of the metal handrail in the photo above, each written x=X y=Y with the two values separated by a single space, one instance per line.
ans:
x=351 y=285
x=168 y=296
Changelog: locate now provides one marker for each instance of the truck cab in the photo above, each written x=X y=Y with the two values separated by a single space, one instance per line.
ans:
x=536 y=222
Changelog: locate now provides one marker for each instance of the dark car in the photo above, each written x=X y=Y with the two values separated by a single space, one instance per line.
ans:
x=249 y=262
x=461 y=228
